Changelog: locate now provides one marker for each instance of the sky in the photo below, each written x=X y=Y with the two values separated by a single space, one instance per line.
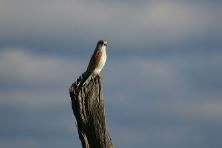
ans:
x=162 y=80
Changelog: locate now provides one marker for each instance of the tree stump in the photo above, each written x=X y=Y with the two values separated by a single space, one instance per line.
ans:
x=88 y=108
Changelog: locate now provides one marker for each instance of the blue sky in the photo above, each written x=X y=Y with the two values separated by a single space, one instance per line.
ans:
x=162 y=80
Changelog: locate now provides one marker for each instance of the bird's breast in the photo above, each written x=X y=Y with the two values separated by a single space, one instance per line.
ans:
x=102 y=61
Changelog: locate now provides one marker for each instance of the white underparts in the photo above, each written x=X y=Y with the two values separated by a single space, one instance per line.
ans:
x=102 y=61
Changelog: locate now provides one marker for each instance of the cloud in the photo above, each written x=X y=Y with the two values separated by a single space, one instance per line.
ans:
x=169 y=83
x=48 y=23
x=164 y=89
x=159 y=96
x=35 y=80
x=172 y=78
x=18 y=65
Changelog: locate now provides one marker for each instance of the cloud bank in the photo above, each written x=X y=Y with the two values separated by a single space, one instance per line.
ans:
x=167 y=54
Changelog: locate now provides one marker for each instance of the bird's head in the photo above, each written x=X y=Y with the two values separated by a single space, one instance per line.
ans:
x=101 y=44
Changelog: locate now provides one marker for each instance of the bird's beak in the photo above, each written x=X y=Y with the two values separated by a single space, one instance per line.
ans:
x=105 y=44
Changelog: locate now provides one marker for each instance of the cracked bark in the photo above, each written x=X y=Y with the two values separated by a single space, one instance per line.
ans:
x=88 y=108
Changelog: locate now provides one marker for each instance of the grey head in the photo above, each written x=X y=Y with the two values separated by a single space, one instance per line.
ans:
x=101 y=43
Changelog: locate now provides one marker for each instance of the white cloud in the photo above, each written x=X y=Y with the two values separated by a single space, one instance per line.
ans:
x=153 y=23
x=33 y=80
x=157 y=82
x=164 y=87
x=16 y=64
x=158 y=89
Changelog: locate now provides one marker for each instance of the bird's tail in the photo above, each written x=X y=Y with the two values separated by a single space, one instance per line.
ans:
x=83 y=79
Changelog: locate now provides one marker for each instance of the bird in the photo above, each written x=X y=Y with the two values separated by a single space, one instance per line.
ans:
x=97 y=61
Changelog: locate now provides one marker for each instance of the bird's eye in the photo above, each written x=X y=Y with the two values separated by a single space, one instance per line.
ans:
x=105 y=44
x=100 y=42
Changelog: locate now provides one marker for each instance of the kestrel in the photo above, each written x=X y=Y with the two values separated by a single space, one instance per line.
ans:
x=97 y=61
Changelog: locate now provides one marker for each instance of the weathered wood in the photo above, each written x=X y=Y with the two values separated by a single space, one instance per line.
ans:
x=88 y=108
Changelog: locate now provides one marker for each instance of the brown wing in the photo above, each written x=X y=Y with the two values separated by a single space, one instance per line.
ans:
x=95 y=59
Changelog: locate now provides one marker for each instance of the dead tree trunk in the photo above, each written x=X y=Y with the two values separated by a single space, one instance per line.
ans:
x=88 y=108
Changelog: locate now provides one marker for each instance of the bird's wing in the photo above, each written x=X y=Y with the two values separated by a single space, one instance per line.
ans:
x=94 y=61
